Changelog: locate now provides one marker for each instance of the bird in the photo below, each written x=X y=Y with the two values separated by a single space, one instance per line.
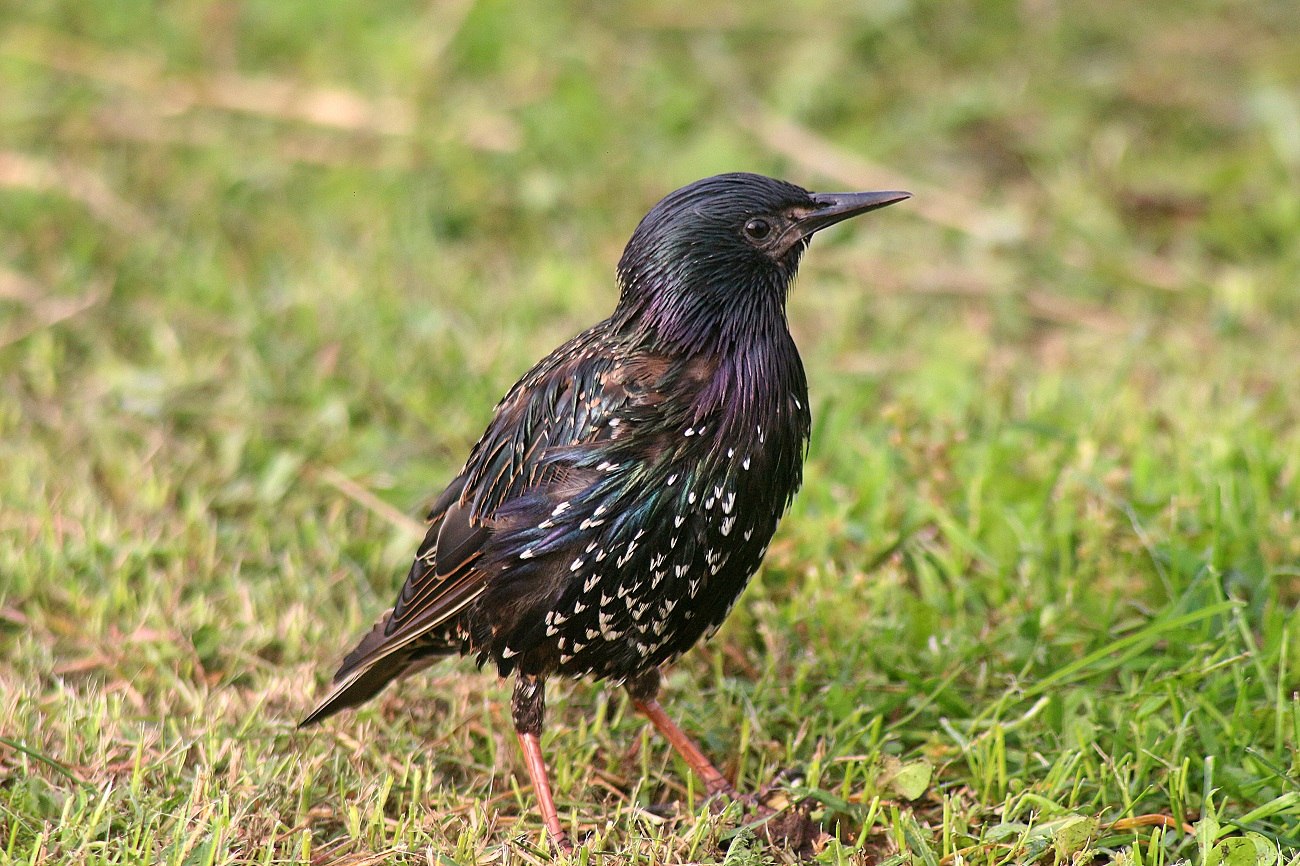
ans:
x=628 y=485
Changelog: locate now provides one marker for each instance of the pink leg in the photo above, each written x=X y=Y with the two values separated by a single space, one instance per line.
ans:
x=528 y=706
x=542 y=788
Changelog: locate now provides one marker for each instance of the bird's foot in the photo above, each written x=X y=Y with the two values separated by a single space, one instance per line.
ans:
x=792 y=828
x=560 y=842
x=771 y=815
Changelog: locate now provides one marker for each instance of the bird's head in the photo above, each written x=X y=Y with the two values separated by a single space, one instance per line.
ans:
x=719 y=254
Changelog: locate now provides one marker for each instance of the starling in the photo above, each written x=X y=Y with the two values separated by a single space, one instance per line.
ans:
x=628 y=485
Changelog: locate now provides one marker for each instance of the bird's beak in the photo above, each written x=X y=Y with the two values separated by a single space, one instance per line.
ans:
x=833 y=207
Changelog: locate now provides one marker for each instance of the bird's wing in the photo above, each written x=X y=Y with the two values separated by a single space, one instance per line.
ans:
x=569 y=399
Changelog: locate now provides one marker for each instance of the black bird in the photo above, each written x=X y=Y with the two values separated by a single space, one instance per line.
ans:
x=628 y=485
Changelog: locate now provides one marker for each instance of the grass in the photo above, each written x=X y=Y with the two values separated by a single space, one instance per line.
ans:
x=265 y=267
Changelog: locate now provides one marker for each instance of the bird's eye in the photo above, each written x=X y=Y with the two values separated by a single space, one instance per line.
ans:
x=757 y=229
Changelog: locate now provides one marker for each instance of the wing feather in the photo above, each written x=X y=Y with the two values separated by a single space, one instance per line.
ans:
x=567 y=400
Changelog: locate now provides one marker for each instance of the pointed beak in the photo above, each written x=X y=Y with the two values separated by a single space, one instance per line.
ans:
x=833 y=207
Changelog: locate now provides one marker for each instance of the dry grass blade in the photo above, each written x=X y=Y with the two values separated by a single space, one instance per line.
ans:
x=363 y=859
x=48 y=312
x=141 y=123
x=942 y=207
x=363 y=497
x=1166 y=821
x=279 y=98
x=19 y=287
x=445 y=22
x=23 y=171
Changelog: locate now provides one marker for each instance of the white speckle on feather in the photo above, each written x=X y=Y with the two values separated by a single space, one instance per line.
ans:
x=577 y=564
x=727 y=524
x=631 y=548
x=745 y=463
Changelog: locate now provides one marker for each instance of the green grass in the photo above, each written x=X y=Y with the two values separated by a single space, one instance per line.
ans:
x=265 y=267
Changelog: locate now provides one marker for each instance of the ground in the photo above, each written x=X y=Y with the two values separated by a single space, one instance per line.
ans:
x=265 y=267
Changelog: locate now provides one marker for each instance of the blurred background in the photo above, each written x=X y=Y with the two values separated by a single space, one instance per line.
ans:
x=266 y=266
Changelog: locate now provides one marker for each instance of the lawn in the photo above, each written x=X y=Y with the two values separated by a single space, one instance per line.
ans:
x=265 y=267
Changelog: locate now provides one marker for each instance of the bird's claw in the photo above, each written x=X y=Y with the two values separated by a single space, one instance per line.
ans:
x=793 y=828
x=561 y=843
x=789 y=825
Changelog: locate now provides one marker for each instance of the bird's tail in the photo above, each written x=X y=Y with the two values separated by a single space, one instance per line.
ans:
x=367 y=669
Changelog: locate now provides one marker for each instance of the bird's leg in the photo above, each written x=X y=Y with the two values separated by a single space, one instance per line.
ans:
x=528 y=705
x=793 y=829
x=642 y=689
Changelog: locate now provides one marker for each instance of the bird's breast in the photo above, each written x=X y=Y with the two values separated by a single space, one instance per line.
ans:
x=652 y=531
x=661 y=560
